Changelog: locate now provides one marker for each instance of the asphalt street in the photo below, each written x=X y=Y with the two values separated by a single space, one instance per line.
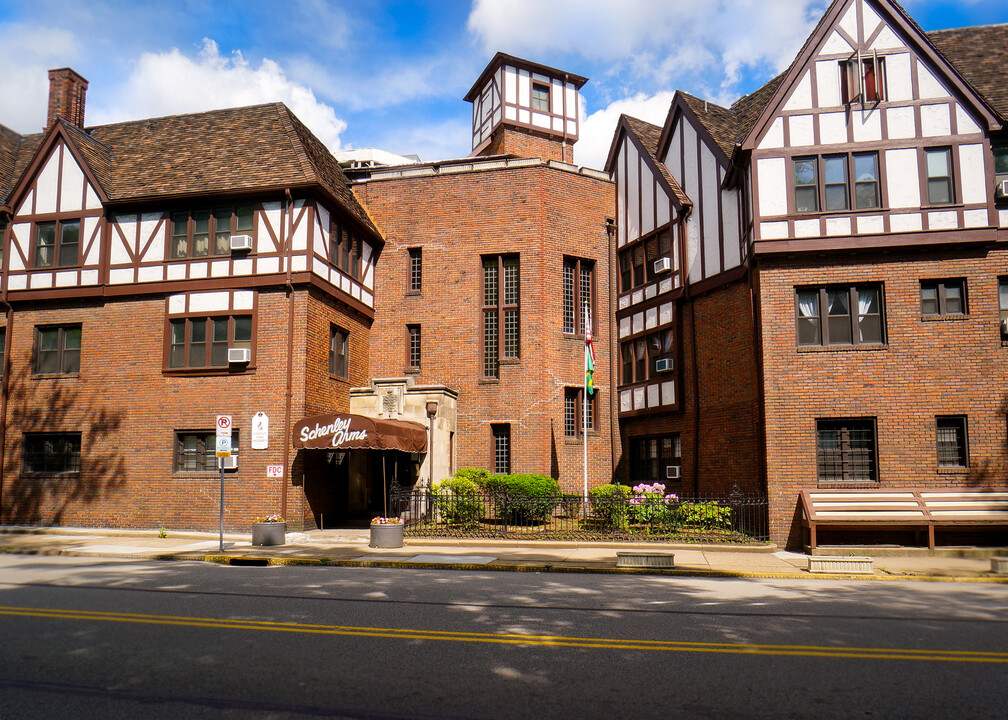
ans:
x=123 y=638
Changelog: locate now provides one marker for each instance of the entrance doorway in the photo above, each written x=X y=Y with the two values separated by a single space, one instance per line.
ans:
x=346 y=489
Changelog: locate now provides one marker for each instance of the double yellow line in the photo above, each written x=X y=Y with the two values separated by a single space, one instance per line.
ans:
x=515 y=638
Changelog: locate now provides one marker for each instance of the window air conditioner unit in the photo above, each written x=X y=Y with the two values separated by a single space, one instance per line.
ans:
x=663 y=365
x=230 y=463
x=1001 y=189
x=239 y=355
x=241 y=242
x=662 y=265
x=673 y=472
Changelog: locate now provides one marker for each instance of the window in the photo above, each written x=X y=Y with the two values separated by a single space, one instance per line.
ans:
x=656 y=247
x=1000 y=166
x=413 y=335
x=862 y=79
x=3 y=353
x=943 y=297
x=641 y=359
x=51 y=453
x=203 y=342
x=939 y=176
x=500 y=309
x=339 y=358
x=416 y=269
x=578 y=283
x=845 y=451
x=502 y=449
x=57 y=244
x=951 y=441
x=541 y=97
x=205 y=232
x=57 y=350
x=196 y=450
x=626 y=269
x=656 y=459
x=837 y=180
x=344 y=249
x=1003 y=305
x=842 y=315
x=574 y=409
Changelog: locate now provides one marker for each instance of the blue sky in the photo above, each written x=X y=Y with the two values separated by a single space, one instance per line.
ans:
x=391 y=74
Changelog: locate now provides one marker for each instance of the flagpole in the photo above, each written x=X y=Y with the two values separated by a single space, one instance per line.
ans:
x=584 y=405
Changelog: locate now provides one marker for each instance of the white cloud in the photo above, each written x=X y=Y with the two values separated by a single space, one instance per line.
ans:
x=597 y=129
x=26 y=54
x=170 y=83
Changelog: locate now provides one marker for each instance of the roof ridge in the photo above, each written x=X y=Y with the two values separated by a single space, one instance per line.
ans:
x=287 y=119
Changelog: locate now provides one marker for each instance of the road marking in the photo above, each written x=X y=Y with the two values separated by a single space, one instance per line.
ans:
x=515 y=638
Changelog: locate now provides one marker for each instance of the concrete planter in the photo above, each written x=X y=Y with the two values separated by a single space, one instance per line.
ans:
x=841 y=564
x=269 y=533
x=387 y=535
x=641 y=559
x=999 y=565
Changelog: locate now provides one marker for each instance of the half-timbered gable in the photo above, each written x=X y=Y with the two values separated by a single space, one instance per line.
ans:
x=871 y=134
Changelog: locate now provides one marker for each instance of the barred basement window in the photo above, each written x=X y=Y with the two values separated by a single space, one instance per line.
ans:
x=578 y=282
x=845 y=451
x=204 y=342
x=951 y=441
x=501 y=307
x=205 y=232
x=196 y=450
x=416 y=269
x=502 y=449
x=51 y=453
x=57 y=350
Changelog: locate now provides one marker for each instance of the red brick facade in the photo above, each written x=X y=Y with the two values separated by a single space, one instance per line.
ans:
x=528 y=144
x=542 y=215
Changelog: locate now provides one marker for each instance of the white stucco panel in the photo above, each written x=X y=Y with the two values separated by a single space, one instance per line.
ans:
x=243 y=300
x=650 y=318
x=71 y=185
x=975 y=218
x=806 y=228
x=774 y=137
x=833 y=128
x=271 y=218
x=46 y=183
x=25 y=207
x=89 y=229
x=870 y=225
x=121 y=276
x=800 y=130
x=965 y=125
x=835 y=43
x=20 y=236
x=897 y=76
x=154 y=273
x=828 y=81
x=887 y=40
x=673 y=158
x=125 y=227
x=974 y=177
x=801 y=95
x=209 y=302
x=867 y=125
x=638 y=322
x=40 y=280
x=772 y=177
x=89 y=277
x=665 y=313
x=838 y=226
x=91 y=201
x=1002 y=218
x=849 y=22
x=773 y=230
x=17 y=282
x=730 y=228
x=66 y=278
x=638 y=398
x=198 y=270
x=299 y=263
x=944 y=220
x=625 y=401
x=241 y=266
x=148 y=226
x=624 y=327
x=668 y=393
x=928 y=86
x=267 y=266
x=693 y=249
x=176 y=271
x=653 y=396
x=900 y=122
x=903 y=174
x=936 y=120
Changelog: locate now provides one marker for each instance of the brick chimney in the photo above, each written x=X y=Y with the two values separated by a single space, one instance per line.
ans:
x=66 y=97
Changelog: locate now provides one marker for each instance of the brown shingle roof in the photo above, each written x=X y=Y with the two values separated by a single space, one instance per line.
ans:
x=980 y=54
x=650 y=135
x=10 y=145
x=719 y=121
x=220 y=151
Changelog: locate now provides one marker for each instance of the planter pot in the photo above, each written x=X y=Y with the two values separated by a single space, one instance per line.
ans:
x=388 y=535
x=269 y=533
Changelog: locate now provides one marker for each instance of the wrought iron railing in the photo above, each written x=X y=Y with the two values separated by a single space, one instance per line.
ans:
x=734 y=518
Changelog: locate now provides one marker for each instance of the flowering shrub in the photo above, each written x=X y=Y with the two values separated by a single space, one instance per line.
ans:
x=649 y=505
x=385 y=520
x=269 y=518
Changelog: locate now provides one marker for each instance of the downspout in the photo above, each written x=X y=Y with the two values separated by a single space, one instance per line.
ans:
x=693 y=353
x=614 y=356
x=288 y=214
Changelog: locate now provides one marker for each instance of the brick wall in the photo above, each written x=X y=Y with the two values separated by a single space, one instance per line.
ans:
x=528 y=144
x=927 y=368
x=541 y=214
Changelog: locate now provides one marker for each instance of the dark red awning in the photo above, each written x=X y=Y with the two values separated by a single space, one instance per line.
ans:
x=359 y=432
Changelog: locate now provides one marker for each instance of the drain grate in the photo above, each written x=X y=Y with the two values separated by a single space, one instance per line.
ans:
x=645 y=559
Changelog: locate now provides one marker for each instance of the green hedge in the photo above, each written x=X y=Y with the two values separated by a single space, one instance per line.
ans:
x=610 y=505
x=523 y=499
x=458 y=500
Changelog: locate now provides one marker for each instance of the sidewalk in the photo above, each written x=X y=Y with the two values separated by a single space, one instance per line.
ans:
x=350 y=548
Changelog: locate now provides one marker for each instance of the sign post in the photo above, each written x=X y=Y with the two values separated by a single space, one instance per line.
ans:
x=223 y=426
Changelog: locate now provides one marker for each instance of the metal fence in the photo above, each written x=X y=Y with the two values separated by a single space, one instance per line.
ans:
x=735 y=518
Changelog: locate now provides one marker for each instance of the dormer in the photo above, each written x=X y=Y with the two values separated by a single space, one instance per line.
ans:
x=526 y=109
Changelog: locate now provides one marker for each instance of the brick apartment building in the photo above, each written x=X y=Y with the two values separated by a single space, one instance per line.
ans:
x=488 y=263
x=823 y=268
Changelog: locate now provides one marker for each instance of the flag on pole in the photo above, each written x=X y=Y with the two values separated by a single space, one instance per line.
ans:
x=589 y=355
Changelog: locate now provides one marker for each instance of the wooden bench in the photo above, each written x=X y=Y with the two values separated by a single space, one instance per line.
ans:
x=901 y=508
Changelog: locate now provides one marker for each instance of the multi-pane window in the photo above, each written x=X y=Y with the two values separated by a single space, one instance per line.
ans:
x=646 y=358
x=837 y=180
x=57 y=350
x=196 y=450
x=862 y=79
x=3 y=351
x=207 y=231
x=846 y=451
x=203 y=342
x=626 y=271
x=344 y=249
x=51 y=453
x=938 y=162
x=540 y=96
x=840 y=315
x=1000 y=165
x=1003 y=307
x=501 y=310
x=57 y=244
x=656 y=459
x=413 y=337
x=943 y=297
x=339 y=357
x=578 y=281
x=502 y=448
x=951 y=441
x=416 y=269
x=576 y=412
x=656 y=248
